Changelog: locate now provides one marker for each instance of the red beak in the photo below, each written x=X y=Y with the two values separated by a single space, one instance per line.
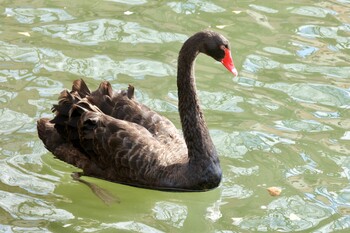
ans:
x=228 y=62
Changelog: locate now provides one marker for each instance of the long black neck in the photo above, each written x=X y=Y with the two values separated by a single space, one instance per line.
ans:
x=195 y=130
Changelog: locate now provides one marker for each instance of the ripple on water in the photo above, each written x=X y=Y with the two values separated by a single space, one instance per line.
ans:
x=324 y=114
x=255 y=63
x=339 y=224
x=314 y=93
x=237 y=144
x=302 y=125
x=317 y=31
x=312 y=11
x=263 y=8
x=100 y=67
x=217 y=101
x=285 y=214
x=7 y=96
x=171 y=213
x=305 y=50
x=157 y=105
x=24 y=207
x=337 y=202
x=276 y=50
x=24 y=170
x=24 y=229
x=236 y=191
x=30 y=181
x=220 y=101
x=214 y=212
x=194 y=6
x=294 y=174
x=129 y=2
x=344 y=197
x=31 y=15
x=103 y=30
x=260 y=19
x=11 y=121
x=45 y=86
x=132 y=226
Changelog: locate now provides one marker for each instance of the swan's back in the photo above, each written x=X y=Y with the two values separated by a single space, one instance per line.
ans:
x=124 y=106
x=110 y=135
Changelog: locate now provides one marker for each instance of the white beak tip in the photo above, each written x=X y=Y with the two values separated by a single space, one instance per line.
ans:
x=234 y=72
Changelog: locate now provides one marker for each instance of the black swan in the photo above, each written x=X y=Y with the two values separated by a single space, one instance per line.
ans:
x=109 y=135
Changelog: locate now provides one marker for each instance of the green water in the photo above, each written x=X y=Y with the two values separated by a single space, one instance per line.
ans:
x=284 y=121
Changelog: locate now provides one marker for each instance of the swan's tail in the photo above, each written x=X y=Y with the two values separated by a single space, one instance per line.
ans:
x=69 y=111
x=66 y=119
x=65 y=150
x=80 y=86
x=61 y=135
x=73 y=106
x=104 y=97
x=48 y=134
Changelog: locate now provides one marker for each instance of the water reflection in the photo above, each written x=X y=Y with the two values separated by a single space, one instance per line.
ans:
x=237 y=144
x=25 y=207
x=255 y=63
x=263 y=8
x=15 y=175
x=132 y=226
x=261 y=19
x=285 y=214
x=98 y=67
x=11 y=121
x=102 y=30
x=129 y=2
x=315 y=31
x=171 y=213
x=315 y=93
x=31 y=15
x=6 y=96
x=305 y=125
x=313 y=11
x=194 y=6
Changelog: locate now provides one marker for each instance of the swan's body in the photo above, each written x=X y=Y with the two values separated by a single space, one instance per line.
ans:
x=112 y=136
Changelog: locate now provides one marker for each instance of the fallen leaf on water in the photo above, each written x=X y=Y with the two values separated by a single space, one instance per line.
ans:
x=274 y=191
x=24 y=33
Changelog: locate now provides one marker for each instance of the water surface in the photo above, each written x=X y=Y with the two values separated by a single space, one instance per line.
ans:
x=284 y=121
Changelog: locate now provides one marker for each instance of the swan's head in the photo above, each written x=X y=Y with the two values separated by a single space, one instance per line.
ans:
x=218 y=47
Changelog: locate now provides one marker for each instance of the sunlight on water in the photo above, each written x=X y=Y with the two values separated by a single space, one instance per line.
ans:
x=283 y=122
x=53 y=60
x=192 y=6
x=130 y=2
x=30 y=15
x=102 y=30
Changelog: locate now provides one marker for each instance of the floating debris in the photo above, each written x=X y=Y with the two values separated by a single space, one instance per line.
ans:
x=128 y=13
x=274 y=191
x=24 y=33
